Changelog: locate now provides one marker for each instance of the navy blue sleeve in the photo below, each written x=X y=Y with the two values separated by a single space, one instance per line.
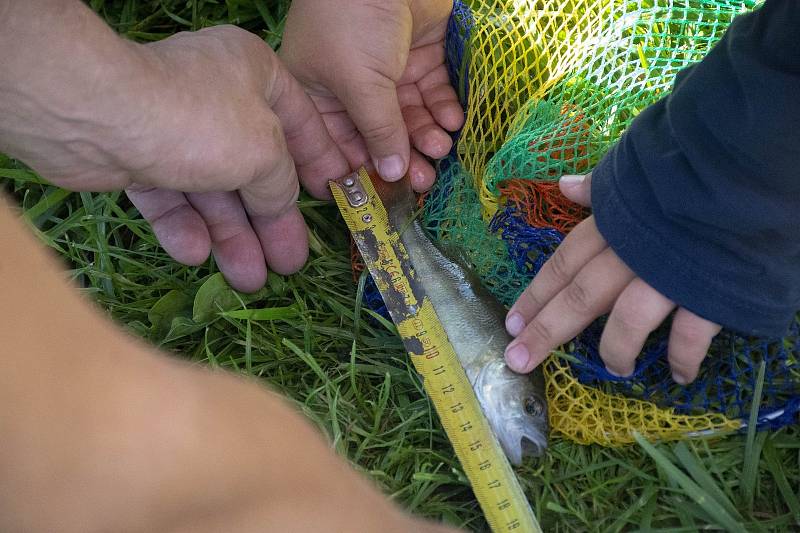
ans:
x=701 y=197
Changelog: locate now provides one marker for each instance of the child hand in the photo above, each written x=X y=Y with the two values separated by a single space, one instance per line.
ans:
x=585 y=279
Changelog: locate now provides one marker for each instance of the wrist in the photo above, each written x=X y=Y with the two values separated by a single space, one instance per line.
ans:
x=64 y=99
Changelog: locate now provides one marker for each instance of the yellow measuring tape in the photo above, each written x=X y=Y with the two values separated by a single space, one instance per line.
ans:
x=493 y=480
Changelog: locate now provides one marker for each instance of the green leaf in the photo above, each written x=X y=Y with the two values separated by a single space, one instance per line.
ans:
x=308 y=359
x=269 y=20
x=23 y=176
x=182 y=326
x=170 y=306
x=277 y=285
x=215 y=296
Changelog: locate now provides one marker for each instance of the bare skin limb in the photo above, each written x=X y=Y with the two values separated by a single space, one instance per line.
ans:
x=108 y=435
x=101 y=433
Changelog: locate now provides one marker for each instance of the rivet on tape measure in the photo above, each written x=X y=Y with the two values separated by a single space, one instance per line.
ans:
x=493 y=480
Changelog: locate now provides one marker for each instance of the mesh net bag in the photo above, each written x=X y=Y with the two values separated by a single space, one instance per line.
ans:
x=548 y=87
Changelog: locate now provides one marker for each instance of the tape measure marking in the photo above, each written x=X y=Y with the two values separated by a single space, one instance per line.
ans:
x=493 y=480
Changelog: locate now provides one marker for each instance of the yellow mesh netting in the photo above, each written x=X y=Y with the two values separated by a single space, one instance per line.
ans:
x=608 y=59
x=590 y=416
x=519 y=49
x=549 y=86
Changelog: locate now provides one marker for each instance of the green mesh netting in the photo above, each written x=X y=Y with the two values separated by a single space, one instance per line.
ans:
x=549 y=86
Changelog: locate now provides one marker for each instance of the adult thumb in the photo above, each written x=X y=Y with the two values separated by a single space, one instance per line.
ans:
x=577 y=188
x=375 y=110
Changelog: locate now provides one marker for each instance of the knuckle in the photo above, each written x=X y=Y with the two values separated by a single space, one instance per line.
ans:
x=140 y=189
x=578 y=297
x=559 y=266
x=264 y=149
x=538 y=331
x=275 y=193
x=530 y=296
x=379 y=133
x=270 y=135
x=688 y=332
x=629 y=318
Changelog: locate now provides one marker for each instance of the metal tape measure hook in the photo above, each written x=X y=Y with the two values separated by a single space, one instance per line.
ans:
x=353 y=190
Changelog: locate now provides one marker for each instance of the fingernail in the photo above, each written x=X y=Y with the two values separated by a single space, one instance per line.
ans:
x=515 y=324
x=616 y=374
x=391 y=168
x=517 y=357
x=680 y=379
x=572 y=179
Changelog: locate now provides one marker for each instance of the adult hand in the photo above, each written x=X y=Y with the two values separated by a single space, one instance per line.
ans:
x=585 y=279
x=376 y=71
x=238 y=100
x=212 y=114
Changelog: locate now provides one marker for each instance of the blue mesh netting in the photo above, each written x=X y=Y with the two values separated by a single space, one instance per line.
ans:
x=459 y=30
x=373 y=299
x=507 y=253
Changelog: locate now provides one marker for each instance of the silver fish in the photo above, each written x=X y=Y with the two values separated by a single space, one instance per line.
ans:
x=474 y=321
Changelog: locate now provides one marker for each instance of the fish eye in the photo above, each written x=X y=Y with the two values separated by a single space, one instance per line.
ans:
x=533 y=406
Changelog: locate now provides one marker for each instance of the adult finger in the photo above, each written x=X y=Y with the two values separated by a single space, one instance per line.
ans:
x=317 y=157
x=236 y=247
x=581 y=245
x=178 y=227
x=272 y=219
x=426 y=136
x=347 y=137
x=441 y=99
x=577 y=188
x=284 y=240
x=689 y=340
x=421 y=172
x=590 y=294
x=426 y=69
x=422 y=61
x=372 y=103
x=638 y=311
x=271 y=198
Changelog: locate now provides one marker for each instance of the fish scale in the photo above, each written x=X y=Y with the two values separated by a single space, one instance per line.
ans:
x=481 y=456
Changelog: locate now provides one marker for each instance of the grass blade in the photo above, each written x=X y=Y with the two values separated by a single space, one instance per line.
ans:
x=776 y=469
x=704 y=479
x=52 y=199
x=266 y=314
x=692 y=490
x=751 y=455
x=308 y=359
x=21 y=176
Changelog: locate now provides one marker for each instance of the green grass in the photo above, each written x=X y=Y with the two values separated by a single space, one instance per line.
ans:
x=308 y=336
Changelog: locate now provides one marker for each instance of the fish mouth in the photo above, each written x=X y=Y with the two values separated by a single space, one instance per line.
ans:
x=532 y=447
x=531 y=443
